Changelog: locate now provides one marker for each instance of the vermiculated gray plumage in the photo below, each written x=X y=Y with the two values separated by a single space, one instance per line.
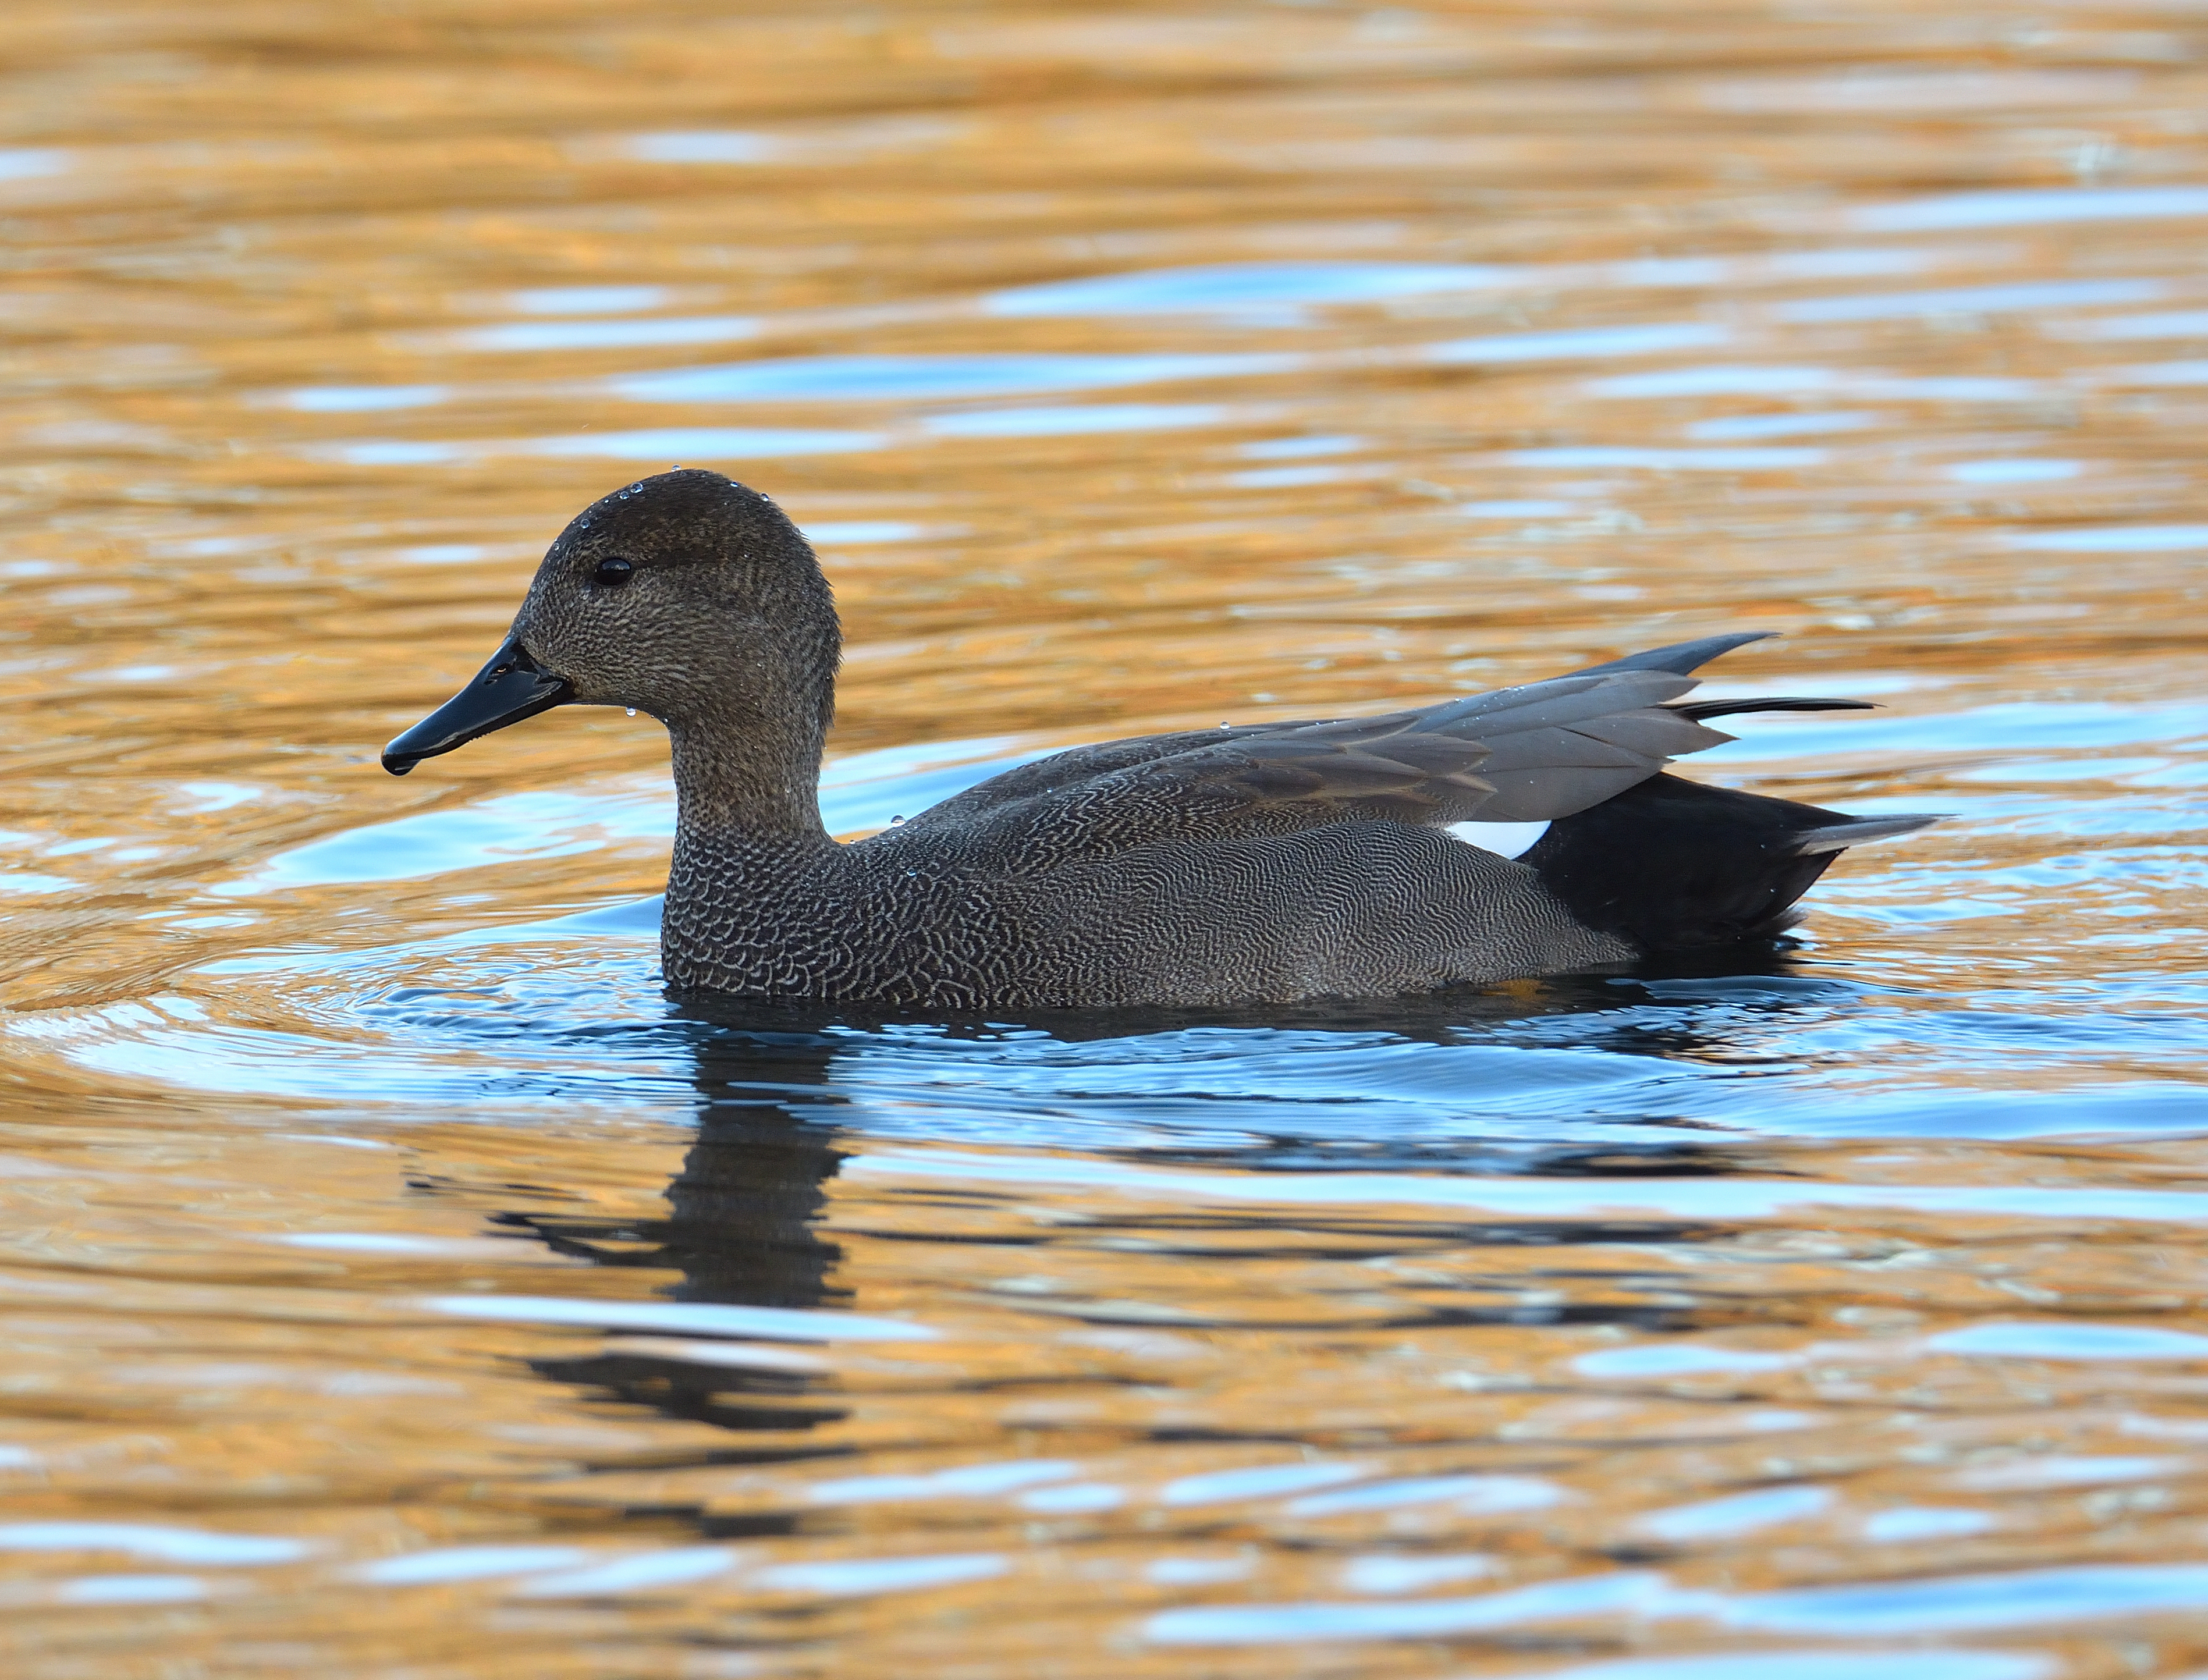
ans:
x=1270 y=861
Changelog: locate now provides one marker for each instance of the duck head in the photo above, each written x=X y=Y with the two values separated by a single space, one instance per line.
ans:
x=687 y=596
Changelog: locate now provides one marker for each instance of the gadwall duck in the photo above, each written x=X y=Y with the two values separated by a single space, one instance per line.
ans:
x=1260 y=862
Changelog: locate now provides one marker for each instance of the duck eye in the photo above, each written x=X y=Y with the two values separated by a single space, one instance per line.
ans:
x=614 y=573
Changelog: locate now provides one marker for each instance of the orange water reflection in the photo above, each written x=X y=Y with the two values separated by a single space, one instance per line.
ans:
x=377 y=1258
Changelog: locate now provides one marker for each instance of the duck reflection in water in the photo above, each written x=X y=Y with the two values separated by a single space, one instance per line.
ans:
x=747 y=1207
x=742 y=1226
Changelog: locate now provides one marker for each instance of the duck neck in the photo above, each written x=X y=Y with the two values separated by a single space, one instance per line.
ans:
x=752 y=786
x=749 y=855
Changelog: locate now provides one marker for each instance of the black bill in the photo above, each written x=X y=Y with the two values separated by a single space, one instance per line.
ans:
x=511 y=687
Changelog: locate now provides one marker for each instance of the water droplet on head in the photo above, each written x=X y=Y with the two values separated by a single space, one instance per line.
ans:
x=631 y=710
x=894 y=821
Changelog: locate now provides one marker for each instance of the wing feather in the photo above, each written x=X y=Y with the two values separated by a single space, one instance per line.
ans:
x=1532 y=752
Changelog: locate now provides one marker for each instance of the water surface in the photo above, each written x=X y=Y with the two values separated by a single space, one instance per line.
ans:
x=396 y=1281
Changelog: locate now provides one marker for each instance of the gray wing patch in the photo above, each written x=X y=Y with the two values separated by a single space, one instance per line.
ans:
x=1544 y=750
x=1532 y=753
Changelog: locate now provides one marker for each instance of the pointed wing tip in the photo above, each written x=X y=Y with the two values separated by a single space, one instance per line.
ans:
x=1679 y=658
x=1860 y=830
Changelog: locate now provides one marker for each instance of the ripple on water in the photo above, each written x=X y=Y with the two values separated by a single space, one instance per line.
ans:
x=509 y=1011
x=395 y=1280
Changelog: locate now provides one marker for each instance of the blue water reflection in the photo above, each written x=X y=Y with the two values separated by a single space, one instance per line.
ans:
x=1481 y=1080
x=665 y=445
x=590 y=299
x=2028 y=207
x=365 y=399
x=1246 y=288
x=842 y=378
x=1073 y=420
x=529 y=335
x=705 y=145
x=29 y=163
x=2026 y=1598
x=1973 y=300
